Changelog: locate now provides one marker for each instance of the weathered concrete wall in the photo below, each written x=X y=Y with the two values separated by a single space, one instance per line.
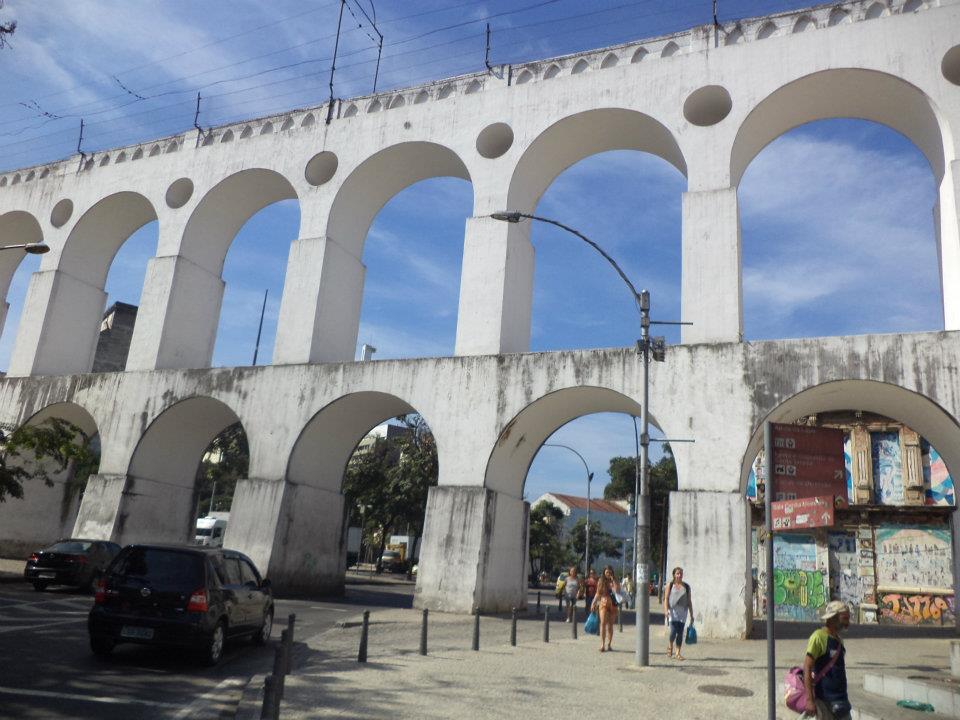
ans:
x=489 y=414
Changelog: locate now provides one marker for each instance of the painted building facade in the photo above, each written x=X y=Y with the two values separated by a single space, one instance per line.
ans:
x=889 y=556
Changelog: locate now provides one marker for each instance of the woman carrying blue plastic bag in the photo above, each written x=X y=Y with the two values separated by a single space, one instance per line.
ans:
x=677 y=603
x=592 y=625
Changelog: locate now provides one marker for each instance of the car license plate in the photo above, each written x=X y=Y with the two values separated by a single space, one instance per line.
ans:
x=46 y=576
x=138 y=633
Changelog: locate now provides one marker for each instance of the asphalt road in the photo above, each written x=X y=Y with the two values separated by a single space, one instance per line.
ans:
x=50 y=673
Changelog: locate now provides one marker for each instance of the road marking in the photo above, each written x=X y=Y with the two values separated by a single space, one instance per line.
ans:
x=85 y=698
x=197 y=707
x=41 y=626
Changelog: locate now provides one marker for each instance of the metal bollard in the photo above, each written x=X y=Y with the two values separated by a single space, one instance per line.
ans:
x=279 y=680
x=546 y=626
x=620 y=618
x=476 y=629
x=573 y=622
x=362 y=653
x=513 y=627
x=269 y=694
x=423 y=632
x=538 y=602
x=286 y=642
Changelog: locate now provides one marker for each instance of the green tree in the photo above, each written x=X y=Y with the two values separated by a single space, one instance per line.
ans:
x=226 y=460
x=52 y=447
x=388 y=483
x=601 y=542
x=663 y=479
x=547 y=550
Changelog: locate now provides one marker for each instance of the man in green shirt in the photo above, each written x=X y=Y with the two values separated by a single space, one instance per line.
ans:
x=824 y=672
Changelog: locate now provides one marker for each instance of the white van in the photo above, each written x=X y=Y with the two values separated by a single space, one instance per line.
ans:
x=210 y=531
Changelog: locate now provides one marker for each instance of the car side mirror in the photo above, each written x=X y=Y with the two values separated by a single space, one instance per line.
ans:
x=265 y=584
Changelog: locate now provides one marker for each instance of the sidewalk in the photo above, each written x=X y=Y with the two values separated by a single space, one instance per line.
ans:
x=719 y=679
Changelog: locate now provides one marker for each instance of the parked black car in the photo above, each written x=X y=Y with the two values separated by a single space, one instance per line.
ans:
x=180 y=596
x=73 y=561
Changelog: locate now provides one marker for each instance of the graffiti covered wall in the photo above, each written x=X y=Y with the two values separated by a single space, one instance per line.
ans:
x=799 y=584
x=914 y=574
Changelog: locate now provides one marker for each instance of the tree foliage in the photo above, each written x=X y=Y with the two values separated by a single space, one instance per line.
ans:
x=226 y=460
x=548 y=552
x=52 y=447
x=387 y=483
x=663 y=479
x=601 y=542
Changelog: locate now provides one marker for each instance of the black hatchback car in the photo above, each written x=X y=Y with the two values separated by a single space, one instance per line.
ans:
x=73 y=561
x=180 y=596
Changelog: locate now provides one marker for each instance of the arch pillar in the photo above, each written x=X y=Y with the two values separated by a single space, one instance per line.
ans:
x=469 y=556
x=712 y=290
x=947 y=224
x=496 y=288
x=58 y=329
x=294 y=532
x=177 y=321
x=320 y=308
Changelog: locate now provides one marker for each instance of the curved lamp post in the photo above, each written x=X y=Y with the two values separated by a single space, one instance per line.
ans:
x=648 y=347
x=29 y=248
x=586 y=548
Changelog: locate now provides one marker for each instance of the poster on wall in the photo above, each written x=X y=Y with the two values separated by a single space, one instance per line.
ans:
x=914 y=575
x=799 y=586
x=846 y=583
x=887 y=468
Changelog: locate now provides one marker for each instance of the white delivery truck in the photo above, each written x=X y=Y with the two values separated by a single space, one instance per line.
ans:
x=210 y=531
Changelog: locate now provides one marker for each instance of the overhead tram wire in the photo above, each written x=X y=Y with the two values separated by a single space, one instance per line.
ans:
x=144 y=89
x=388 y=72
x=412 y=51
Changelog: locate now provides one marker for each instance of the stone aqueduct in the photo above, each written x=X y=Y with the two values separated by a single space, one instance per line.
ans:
x=707 y=101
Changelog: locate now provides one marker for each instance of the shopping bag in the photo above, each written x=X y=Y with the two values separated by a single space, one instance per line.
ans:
x=794 y=691
x=691 y=635
x=592 y=625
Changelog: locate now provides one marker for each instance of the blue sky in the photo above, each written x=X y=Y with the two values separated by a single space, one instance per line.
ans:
x=837 y=222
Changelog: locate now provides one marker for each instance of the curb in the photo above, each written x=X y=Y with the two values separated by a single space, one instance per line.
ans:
x=251 y=700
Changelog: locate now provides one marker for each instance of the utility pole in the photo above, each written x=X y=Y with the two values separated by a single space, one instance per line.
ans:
x=642 y=528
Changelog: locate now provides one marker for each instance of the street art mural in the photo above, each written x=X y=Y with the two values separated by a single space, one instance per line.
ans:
x=914 y=575
x=846 y=584
x=799 y=586
x=937 y=482
x=887 y=468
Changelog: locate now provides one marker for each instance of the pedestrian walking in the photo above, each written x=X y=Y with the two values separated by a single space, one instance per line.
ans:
x=824 y=671
x=605 y=605
x=571 y=589
x=677 y=604
x=561 y=584
x=590 y=587
x=626 y=590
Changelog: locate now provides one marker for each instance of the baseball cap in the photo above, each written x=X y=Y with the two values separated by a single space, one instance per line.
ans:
x=834 y=608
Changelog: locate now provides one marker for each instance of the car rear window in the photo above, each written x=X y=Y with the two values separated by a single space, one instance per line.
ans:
x=161 y=568
x=70 y=546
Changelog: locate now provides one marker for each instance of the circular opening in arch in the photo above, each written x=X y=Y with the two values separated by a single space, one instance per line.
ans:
x=179 y=193
x=707 y=106
x=321 y=168
x=951 y=65
x=62 y=212
x=494 y=140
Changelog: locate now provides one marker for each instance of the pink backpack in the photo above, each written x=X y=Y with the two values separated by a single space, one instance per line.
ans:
x=794 y=691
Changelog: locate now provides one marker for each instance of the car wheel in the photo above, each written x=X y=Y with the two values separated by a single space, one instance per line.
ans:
x=39 y=586
x=101 y=646
x=264 y=633
x=214 y=648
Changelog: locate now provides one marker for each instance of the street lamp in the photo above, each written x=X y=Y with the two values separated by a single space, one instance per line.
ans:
x=648 y=347
x=29 y=248
x=586 y=549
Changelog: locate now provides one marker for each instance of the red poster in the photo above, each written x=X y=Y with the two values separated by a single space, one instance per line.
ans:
x=808 y=462
x=803 y=513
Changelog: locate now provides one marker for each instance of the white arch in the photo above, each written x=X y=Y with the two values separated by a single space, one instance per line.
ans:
x=576 y=137
x=379 y=178
x=850 y=92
